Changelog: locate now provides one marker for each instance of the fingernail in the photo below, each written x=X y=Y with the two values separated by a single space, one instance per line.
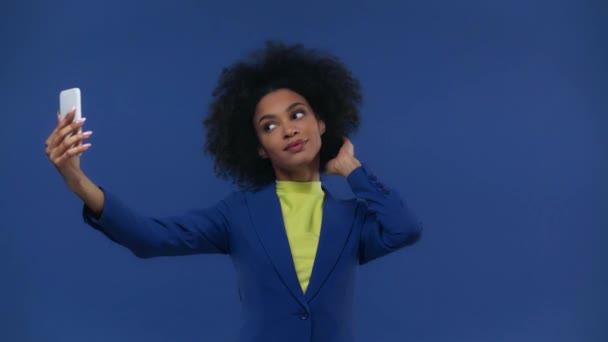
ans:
x=87 y=133
x=73 y=109
x=81 y=120
x=86 y=145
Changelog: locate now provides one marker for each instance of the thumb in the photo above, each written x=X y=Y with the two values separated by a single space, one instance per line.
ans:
x=349 y=147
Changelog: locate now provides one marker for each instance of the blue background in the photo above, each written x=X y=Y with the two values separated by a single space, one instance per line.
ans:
x=490 y=117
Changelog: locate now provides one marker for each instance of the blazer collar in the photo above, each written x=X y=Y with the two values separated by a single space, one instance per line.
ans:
x=265 y=211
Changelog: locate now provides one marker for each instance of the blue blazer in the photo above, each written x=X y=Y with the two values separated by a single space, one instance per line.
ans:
x=248 y=226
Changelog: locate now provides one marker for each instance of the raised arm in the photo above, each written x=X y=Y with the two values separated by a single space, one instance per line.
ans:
x=202 y=230
x=197 y=231
x=387 y=222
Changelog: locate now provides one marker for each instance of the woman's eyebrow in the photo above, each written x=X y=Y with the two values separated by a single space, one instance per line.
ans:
x=266 y=116
x=271 y=116
x=291 y=106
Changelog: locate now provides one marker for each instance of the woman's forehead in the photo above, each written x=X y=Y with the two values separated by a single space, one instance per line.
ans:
x=278 y=101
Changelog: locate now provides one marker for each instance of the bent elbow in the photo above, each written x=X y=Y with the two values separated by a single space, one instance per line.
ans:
x=142 y=252
x=415 y=234
x=413 y=237
x=406 y=237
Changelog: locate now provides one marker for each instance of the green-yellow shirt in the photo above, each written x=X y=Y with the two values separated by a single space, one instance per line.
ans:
x=302 y=209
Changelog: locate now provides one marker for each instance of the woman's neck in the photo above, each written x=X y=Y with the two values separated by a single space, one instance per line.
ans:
x=309 y=173
x=298 y=176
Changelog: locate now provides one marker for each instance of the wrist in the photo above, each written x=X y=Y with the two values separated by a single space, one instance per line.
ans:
x=76 y=182
x=349 y=166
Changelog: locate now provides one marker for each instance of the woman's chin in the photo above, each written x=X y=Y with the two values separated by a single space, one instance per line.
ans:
x=297 y=164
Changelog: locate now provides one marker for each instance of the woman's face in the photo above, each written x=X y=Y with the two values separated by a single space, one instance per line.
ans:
x=288 y=130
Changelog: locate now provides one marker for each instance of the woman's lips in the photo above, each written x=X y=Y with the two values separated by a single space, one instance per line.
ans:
x=295 y=146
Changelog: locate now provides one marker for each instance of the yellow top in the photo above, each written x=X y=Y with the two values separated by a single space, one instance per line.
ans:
x=302 y=209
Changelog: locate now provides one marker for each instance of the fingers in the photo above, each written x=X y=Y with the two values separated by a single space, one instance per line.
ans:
x=62 y=123
x=71 y=128
x=330 y=167
x=63 y=130
x=348 y=146
x=68 y=144
x=49 y=140
x=71 y=152
x=66 y=139
x=69 y=117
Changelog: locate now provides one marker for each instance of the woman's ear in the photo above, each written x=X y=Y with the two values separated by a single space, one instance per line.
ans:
x=262 y=153
x=321 y=126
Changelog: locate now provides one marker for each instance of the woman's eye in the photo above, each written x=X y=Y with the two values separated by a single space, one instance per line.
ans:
x=269 y=126
x=298 y=115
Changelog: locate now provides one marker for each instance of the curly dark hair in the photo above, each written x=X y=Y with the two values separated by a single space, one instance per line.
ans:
x=321 y=78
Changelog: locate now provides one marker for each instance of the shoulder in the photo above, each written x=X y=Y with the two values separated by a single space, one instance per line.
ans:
x=240 y=197
x=234 y=199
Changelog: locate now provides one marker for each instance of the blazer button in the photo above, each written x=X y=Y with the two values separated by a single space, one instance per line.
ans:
x=304 y=316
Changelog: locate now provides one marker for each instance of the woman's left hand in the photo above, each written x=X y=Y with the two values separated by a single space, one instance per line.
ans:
x=345 y=162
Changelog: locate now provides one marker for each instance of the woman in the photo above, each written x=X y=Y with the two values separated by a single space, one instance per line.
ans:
x=278 y=119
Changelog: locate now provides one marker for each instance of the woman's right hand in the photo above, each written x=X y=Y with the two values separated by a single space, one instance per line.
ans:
x=65 y=153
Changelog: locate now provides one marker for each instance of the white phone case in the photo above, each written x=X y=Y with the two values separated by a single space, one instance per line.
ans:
x=68 y=99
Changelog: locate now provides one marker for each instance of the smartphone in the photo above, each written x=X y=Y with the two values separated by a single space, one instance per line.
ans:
x=68 y=99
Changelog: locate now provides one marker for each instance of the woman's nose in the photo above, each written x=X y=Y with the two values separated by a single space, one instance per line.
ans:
x=291 y=131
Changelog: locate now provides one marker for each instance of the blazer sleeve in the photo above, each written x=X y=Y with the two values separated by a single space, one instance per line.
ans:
x=388 y=224
x=195 y=231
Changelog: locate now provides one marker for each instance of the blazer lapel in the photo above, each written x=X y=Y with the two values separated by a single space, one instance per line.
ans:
x=335 y=229
x=267 y=219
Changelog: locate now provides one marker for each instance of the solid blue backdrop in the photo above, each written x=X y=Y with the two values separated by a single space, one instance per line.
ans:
x=490 y=118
